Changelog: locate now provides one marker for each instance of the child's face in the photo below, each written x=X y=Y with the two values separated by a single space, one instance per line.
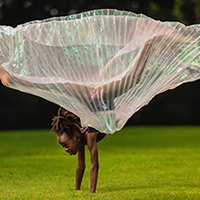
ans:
x=70 y=145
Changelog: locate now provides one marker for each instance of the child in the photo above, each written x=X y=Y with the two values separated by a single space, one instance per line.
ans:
x=73 y=138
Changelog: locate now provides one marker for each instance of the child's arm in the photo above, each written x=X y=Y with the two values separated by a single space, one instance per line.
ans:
x=80 y=167
x=92 y=145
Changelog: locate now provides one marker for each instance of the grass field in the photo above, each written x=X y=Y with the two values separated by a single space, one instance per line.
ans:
x=135 y=163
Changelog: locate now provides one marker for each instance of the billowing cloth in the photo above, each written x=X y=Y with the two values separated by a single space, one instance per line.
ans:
x=102 y=65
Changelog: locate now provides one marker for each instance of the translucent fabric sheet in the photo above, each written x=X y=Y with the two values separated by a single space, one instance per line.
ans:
x=102 y=65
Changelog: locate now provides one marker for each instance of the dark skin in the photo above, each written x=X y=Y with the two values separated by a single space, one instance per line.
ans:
x=76 y=144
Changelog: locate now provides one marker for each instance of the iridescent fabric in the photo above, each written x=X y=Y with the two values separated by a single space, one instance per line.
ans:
x=123 y=58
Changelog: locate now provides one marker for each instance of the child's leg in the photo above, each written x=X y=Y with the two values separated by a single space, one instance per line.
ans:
x=118 y=87
x=78 y=91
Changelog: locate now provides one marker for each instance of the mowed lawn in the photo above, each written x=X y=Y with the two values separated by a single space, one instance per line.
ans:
x=135 y=163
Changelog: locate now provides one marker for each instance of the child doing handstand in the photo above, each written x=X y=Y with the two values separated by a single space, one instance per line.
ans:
x=73 y=138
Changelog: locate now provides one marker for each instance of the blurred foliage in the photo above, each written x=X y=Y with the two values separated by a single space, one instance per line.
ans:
x=14 y=12
x=179 y=106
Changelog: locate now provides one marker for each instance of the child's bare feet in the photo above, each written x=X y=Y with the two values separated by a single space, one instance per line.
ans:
x=4 y=76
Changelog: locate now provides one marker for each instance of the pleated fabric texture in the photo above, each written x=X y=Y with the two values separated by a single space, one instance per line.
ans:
x=102 y=65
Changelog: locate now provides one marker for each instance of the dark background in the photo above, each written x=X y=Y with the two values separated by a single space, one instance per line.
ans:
x=176 y=107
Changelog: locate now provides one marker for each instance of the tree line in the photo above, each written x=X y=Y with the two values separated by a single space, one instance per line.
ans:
x=176 y=107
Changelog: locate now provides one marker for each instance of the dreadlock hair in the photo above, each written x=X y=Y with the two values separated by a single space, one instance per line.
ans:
x=65 y=122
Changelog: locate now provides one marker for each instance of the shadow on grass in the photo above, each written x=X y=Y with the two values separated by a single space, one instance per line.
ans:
x=171 y=186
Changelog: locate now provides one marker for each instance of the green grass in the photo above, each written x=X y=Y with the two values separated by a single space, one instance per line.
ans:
x=135 y=163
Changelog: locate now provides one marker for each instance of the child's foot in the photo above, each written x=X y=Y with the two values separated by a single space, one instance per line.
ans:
x=4 y=76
